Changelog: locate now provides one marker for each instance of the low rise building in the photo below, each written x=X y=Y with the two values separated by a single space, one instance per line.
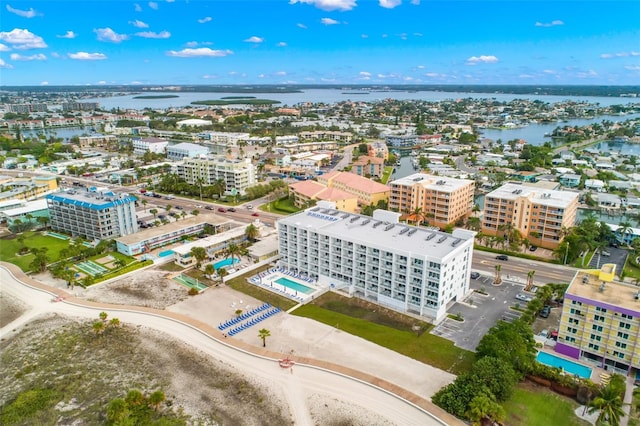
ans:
x=368 y=166
x=186 y=150
x=98 y=141
x=28 y=188
x=306 y=193
x=152 y=145
x=367 y=191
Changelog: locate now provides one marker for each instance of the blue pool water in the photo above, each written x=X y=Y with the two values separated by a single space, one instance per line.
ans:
x=294 y=285
x=165 y=253
x=568 y=366
x=225 y=262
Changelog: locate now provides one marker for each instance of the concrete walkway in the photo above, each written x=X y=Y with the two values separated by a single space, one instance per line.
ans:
x=385 y=397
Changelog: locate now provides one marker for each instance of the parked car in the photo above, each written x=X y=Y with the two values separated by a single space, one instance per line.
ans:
x=249 y=206
x=255 y=214
x=475 y=275
x=533 y=248
x=502 y=257
x=231 y=209
x=179 y=207
x=605 y=253
x=209 y=208
x=222 y=210
x=523 y=297
x=545 y=312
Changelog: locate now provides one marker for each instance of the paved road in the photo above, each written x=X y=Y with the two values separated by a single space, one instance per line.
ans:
x=517 y=269
x=306 y=380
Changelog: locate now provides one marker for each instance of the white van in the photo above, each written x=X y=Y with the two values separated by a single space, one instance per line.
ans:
x=249 y=206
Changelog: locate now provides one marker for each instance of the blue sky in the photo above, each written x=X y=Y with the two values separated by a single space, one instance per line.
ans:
x=319 y=42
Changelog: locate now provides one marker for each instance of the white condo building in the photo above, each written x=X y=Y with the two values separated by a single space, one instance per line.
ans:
x=153 y=145
x=238 y=175
x=406 y=268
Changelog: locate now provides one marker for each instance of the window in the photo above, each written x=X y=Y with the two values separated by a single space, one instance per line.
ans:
x=594 y=347
x=621 y=345
x=623 y=335
x=598 y=318
x=625 y=316
x=599 y=309
x=595 y=337
x=625 y=325
x=597 y=328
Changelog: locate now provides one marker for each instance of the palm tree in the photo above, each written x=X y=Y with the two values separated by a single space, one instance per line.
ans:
x=209 y=270
x=98 y=327
x=134 y=397
x=625 y=228
x=232 y=251
x=609 y=404
x=117 y=411
x=418 y=215
x=530 y=275
x=484 y=407
x=119 y=263
x=103 y=316
x=251 y=232
x=498 y=279
x=200 y=254
x=156 y=398
x=114 y=322
x=168 y=208
x=43 y=220
x=144 y=204
x=263 y=334
x=154 y=212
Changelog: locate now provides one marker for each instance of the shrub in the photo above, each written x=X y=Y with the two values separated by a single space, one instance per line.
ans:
x=193 y=291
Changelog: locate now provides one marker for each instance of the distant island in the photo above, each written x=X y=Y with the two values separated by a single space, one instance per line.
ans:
x=238 y=97
x=156 y=96
x=236 y=101
x=355 y=93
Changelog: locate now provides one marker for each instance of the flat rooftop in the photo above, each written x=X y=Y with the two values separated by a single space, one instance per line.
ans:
x=437 y=183
x=540 y=196
x=169 y=228
x=614 y=293
x=386 y=235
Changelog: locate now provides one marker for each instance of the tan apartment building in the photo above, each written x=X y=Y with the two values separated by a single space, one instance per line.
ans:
x=367 y=191
x=378 y=149
x=538 y=214
x=368 y=166
x=98 y=141
x=441 y=200
x=307 y=192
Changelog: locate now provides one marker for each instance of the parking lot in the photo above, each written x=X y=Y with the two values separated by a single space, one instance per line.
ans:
x=615 y=255
x=481 y=312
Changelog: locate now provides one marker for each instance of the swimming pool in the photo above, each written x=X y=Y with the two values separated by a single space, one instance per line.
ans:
x=225 y=262
x=294 y=285
x=565 y=364
x=166 y=253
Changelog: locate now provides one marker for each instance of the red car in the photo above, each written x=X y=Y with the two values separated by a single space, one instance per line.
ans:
x=222 y=210
x=255 y=214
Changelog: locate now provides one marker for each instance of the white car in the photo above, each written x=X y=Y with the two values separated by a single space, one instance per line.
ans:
x=523 y=297
x=248 y=206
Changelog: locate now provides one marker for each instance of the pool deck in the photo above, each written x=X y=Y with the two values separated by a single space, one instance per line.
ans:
x=267 y=280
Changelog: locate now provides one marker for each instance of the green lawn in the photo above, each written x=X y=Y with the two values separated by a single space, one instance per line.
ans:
x=533 y=405
x=282 y=206
x=392 y=333
x=9 y=249
x=388 y=170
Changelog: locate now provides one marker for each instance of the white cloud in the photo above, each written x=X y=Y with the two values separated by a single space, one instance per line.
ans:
x=364 y=36
x=550 y=72
x=282 y=44
x=254 y=39
x=210 y=76
x=55 y=55
x=329 y=5
x=199 y=52
x=329 y=21
x=5 y=65
x=587 y=74
x=418 y=34
x=139 y=24
x=482 y=59
x=153 y=5
x=191 y=44
x=280 y=73
x=170 y=1
x=36 y=57
x=137 y=7
x=303 y=26
x=632 y=67
x=390 y=4
x=44 y=83
x=549 y=24
x=619 y=55
x=107 y=34
x=364 y=75
x=85 y=56
x=22 y=39
x=415 y=2
x=205 y=19
x=31 y=13
x=151 y=34
x=198 y=43
x=101 y=83
x=4 y=48
x=68 y=34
